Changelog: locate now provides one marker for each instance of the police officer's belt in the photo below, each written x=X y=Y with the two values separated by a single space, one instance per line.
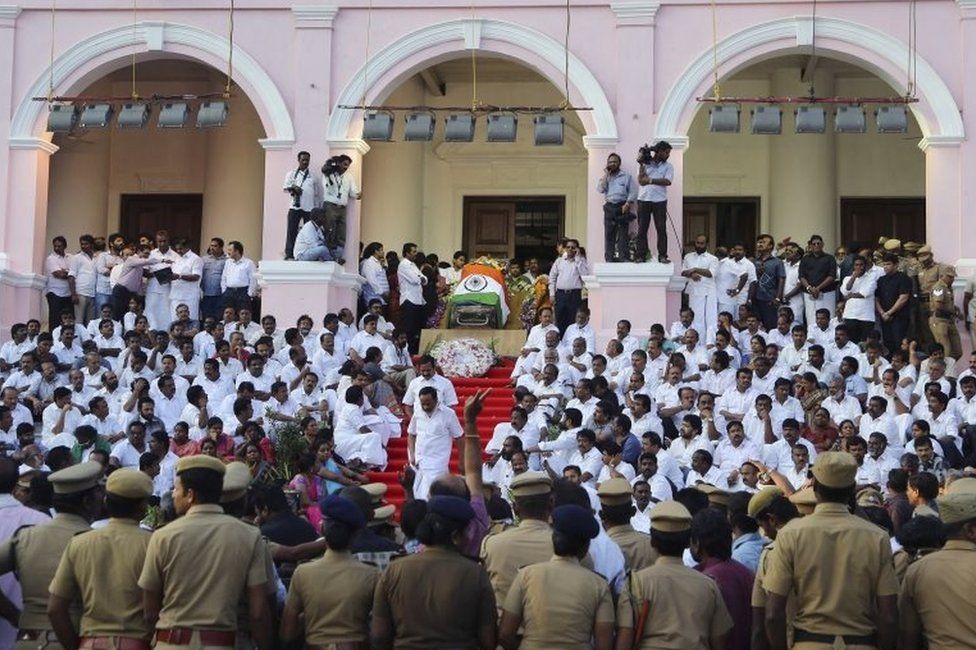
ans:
x=112 y=642
x=940 y=313
x=849 y=639
x=183 y=636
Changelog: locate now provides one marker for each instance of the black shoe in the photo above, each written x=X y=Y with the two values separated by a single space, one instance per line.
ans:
x=664 y=259
x=341 y=262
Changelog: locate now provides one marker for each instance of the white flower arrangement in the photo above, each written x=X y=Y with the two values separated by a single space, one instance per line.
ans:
x=463 y=357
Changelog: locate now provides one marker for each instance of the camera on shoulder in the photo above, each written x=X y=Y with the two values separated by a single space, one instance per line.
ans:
x=645 y=154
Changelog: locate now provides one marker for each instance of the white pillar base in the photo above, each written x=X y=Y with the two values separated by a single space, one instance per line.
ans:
x=640 y=293
x=290 y=289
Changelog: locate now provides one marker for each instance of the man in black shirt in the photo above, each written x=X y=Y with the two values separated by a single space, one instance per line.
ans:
x=278 y=523
x=891 y=302
x=818 y=275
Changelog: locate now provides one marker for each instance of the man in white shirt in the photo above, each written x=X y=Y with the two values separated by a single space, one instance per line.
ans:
x=519 y=427
x=432 y=431
x=366 y=339
x=840 y=405
x=340 y=187
x=581 y=328
x=216 y=385
x=126 y=453
x=446 y=395
x=59 y=285
x=779 y=454
x=326 y=361
x=310 y=243
x=304 y=188
x=83 y=272
x=372 y=269
x=60 y=417
x=12 y=350
x=81 y=393
x=238 y=281
x=587 y=458
x=185 y=288
x=735 y=274
x=412 y=304
x=104 y=263
x=158 y=309
x=700 y=267
x=169 y=404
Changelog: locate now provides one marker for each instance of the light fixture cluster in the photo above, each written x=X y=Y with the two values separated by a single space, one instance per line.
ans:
x=767 y=119
x=502 y=126
x=65 y=117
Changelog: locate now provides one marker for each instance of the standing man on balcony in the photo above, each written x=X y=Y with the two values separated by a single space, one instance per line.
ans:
x=305 y=190
x=620 y=192
x=566 y=284
x=339 y=188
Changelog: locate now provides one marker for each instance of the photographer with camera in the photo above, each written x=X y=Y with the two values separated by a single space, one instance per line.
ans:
x=654 y=178
x=620 y=192
x=306 y=193
x=339 y=188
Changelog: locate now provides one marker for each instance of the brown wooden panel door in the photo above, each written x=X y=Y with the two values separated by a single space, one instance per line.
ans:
x=699 y=219
x=179 y=214
x=490 y=229
x=864 y=220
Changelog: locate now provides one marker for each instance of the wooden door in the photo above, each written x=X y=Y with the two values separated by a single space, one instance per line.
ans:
x=699 y=219
x=489 y=228
x=179 y=214
x=864 y=220
x=724 y=220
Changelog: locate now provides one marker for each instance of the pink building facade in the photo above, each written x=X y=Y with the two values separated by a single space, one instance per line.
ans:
x=638 y=64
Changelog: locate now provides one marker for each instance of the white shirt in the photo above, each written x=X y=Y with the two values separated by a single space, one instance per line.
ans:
x=169 y=410
x=574 y=331
x=126 y=454
x=375 y=275
x=310 y=235
x=216 y=390
x=683 y=449
x=311 y=186
x=590 y=463
x=411 y=283
x=445 y=390
x=363 y=341
x=50 y=417
x=239 y=274
x=706 y=285
x=153 y=285
x=730 y=458
x=83 y=271
x=849 y=408
x=435 y=433
x=624 y=469
x=104 y=263
x=57 y=286
x=779 y=455
x=860 y=308
x=729 y=273
x=187 y=290
x=652 y=192
x=714 y=476
x=339 y=188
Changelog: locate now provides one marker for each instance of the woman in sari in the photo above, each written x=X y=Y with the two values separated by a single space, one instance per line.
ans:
x=309 y=486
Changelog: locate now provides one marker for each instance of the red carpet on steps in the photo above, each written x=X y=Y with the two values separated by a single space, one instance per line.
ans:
x=497 y=409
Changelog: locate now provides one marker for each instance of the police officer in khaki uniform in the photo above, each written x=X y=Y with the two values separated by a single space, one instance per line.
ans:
x=616 y=509
x=438 y=598
x=504 y=553
x=669 y=605
x=34 y=552
x=198 y=566
x=944 y=313
x=340 y=614
x=839 y=567
x=928 y=275
x=771 y=510
x=100 y=569
x=560 y=599
x=936 y=600
x=804 y=500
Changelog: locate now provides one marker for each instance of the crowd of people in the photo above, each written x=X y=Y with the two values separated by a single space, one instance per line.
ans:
x=789 y=464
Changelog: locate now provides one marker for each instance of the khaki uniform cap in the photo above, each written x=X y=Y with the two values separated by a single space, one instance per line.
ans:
x=376 y=491
x=236 y=480
x=670 y=517
x=77 y=478
x=129 y=484
x=912 y=246
x=966 y=485
x=615 y=492
x=869 y=497
x=529 y=484
x=804 y=500
x=957 y=507
x=200 y=462
x=925 y=250
x=716 y=495
x=761 y=500
x=835 y=469
x=892 y=244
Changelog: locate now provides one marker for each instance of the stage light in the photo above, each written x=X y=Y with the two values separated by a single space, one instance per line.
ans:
x=173 y=115
x=96 y=116
x=892 y=119
x=419 y=128
x=723 y=118
x=459 y=128
x=133 y=116
x=62 y=118
x=502 y=127
x=378 y=126
x=212 y=114
x=767 y=120
x=849 y=119
x=810 y=119
x=548 y=129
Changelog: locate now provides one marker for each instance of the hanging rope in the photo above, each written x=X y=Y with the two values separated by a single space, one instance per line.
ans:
x=813 y=55
x=716 y=91
x=50 y=79
x=474 y=70
x=135 y=19
x=369 y=25
x=912 y=67
x=230 y=52
x=566 y=103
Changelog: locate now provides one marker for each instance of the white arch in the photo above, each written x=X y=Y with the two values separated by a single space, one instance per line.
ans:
x=156 y=36
x=937 y=113
x=535 y=48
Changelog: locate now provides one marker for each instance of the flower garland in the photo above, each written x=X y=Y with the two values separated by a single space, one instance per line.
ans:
x=464 y=357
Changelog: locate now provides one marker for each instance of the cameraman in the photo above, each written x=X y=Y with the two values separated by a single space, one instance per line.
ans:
x=654 y=178
x=620 y=192
x=306 y=193
x=339 y=188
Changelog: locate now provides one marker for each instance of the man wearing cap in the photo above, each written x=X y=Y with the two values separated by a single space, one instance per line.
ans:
x=100 y=570
x=504 y=553
x=670 y=605
x=771 y=510
x=198 y=567
x=841 y=596
x=616 y=511
x=936 y=604
x=580 y=609
x=943 y=313
x=34 y=552
x=13 y=516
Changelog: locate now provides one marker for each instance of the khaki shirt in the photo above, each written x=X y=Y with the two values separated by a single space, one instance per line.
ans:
x=937 y=596
x=759 y=595
x=927 y=277
x=838 y=565
x=635 y=546
x=685 y=607
x=38 y=552
x=437 y=599
x=101 y=570
x=505 y=553
x=559 y=602
x=340 y=612
x=201 y=564
x=941 y=299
